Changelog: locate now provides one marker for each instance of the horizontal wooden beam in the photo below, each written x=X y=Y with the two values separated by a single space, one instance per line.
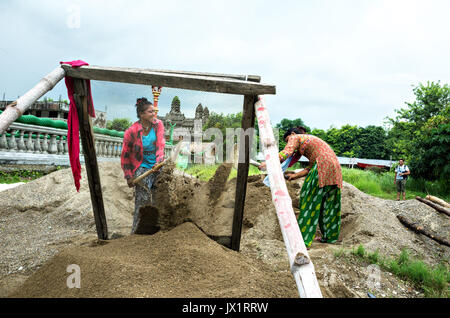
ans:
x=175 y=80
x=231 y=76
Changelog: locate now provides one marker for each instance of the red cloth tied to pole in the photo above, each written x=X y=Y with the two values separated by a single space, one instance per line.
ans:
x=73 y=129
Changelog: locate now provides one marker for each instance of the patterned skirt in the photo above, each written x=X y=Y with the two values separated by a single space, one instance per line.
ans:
x=143 y=195
x=319 y=205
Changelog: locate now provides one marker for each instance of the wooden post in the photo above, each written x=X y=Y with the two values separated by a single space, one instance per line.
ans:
x=90 y=157
x=248 y=120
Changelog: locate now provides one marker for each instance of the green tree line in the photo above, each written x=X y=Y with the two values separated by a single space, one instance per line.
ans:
x=348 y=141
x=420 y=134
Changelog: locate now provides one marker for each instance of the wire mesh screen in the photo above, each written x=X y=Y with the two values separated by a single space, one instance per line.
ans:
x=208 y=124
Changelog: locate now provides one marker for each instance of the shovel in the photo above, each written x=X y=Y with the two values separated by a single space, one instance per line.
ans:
x=155 y=168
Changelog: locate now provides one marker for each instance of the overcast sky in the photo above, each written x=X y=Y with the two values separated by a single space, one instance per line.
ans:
x=333 y=62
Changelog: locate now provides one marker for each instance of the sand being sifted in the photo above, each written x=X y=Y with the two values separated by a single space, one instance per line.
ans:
x=46 y=226
x=182 y=262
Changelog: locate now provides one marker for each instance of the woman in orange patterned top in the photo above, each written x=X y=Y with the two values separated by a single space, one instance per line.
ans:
x=320 y=197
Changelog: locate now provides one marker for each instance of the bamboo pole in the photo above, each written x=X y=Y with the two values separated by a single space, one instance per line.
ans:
x=301 y=266
x=438 y=201
x=18 y=107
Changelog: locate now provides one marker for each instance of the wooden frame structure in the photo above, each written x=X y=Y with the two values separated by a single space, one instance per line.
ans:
x=247 y=85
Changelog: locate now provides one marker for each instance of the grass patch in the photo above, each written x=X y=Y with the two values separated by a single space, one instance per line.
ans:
x=382 y=185
x=374 y=257
x=19 y=176
x=206 y=172
x=432 y=280
x=359 y=251
x=339 y=252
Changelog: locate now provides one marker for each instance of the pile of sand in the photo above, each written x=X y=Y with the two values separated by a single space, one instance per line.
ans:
x=366 y=220
x=5 y=186
x=41 y=218
x=182 y=262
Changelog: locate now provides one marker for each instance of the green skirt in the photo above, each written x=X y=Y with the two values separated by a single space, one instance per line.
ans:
x=319 y=205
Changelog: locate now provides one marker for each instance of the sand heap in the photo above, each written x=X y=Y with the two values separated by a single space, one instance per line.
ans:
x=182 y=262
x=366 y=220
x=41 y=218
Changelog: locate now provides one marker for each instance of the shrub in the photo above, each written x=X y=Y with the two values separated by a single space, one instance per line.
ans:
x=376 y=170
x=19 y=176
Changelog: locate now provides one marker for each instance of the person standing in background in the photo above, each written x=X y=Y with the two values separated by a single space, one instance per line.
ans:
x=401 y=175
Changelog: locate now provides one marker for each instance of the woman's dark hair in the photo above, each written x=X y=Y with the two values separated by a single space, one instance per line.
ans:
x=141 y=105
x=297 y=130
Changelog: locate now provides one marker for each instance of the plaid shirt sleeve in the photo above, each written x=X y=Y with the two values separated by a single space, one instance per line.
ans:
x=160 y=141
x=130 y=152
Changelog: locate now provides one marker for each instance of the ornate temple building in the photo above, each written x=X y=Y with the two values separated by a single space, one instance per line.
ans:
x=177 y=119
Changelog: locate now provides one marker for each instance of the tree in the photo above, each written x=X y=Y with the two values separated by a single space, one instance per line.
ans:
x=423 y=130
x=322 y=134
x=119 y=124
x=353 y=141
x=372 y=143
x=431 y=100
x=285 y=125
x=433 y=161
x=223 y=122
x=344 y=140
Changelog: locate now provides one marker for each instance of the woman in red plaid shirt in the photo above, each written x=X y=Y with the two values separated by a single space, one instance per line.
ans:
x=143 y=147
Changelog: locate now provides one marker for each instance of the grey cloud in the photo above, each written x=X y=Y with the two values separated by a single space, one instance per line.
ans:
x=332 y=62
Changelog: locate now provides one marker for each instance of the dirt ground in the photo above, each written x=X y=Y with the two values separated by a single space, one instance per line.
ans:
x=182 y=262
x=46 y=225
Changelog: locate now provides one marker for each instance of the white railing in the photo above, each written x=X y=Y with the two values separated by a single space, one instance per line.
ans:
x=52 y=141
